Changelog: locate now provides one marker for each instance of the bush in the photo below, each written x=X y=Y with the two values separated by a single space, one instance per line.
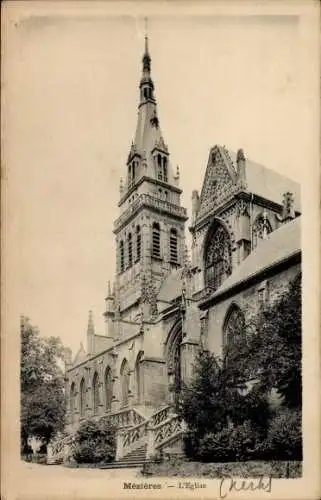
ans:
x=231 y=444
x=284 y=438
x=94 y=443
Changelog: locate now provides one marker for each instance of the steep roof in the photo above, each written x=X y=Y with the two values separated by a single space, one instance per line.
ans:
x=171 y=287
x=278 y=246
x=268 y=183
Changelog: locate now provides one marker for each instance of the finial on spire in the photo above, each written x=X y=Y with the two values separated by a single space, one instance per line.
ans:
x=121 y=186
x=109 y=289
x=177 y=172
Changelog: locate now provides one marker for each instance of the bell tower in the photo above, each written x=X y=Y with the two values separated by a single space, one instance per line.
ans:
x=150 y=229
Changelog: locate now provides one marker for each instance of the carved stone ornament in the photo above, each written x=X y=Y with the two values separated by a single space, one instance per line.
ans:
x=242 y=208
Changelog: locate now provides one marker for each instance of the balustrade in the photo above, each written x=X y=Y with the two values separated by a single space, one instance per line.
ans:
x=160 y=416
x=150 y=201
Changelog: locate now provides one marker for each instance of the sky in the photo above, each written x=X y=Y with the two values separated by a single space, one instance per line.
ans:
x=72 y=83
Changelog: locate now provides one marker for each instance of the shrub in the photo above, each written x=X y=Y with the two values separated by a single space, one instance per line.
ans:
x=94 y=443
x=284 y=438
x=231 y=444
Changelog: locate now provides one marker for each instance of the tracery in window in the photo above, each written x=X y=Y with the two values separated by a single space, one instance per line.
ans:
x=234 y=325
x=218 y=258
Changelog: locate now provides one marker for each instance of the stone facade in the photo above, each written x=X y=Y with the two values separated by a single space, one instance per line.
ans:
x=162 y=307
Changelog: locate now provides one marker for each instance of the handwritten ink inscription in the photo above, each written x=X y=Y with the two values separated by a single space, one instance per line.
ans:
x=229 y=484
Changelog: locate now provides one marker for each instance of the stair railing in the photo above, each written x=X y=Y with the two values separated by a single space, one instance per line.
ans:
x=131 y=439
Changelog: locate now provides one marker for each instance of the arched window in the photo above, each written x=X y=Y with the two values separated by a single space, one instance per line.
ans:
x=108 y=388
x=159 y=168
x=261 y=228
x=129 y=175
x=134 y=171
x=96 y=393
x=82 y=395
x=121 y=256
x=124 y=382
x=130 y=249
x=138 y=243
x=173 y=252
x=234 y=325
x=218 y=258
x=156 y=240
x=139 y=378
x=165 y=169
x=72 y=401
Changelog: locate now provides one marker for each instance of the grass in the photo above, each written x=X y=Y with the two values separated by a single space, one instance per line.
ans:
x=181 y=468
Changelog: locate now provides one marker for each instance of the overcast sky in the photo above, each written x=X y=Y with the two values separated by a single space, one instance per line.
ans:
x=73 y=87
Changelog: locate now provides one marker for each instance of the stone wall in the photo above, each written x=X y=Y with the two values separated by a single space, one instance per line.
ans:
x=247 y=300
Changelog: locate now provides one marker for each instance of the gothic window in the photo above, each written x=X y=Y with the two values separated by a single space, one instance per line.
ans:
x=108 y=388
x=96 y=393
x=138 y=243
x=129 y=175
x=165 y=169
x=72 y=401
x=173 y=252
x=82 y=394
x=159 y=168
x=121 y=256
x=130 y=249
x=124 y=382
x=234 y=325
x=139 y=378
x=156 y=240
x=261 y=228
x=218 y=258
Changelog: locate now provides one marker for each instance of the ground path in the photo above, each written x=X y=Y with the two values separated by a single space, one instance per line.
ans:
x=48 y=482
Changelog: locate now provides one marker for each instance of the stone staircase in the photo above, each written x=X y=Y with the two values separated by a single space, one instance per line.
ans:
x=135 y=458
x=139 y=437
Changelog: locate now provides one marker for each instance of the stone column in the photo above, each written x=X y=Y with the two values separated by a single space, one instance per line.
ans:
x=119 y=445
x=188 y=356
x=150 y=451
x=115 y=403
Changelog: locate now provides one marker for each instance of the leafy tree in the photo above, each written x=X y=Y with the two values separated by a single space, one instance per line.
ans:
x=94 y=443
x=276 y=350
x=42 y=384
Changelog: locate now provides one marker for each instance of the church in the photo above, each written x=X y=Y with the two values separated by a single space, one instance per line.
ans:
x=167 y=301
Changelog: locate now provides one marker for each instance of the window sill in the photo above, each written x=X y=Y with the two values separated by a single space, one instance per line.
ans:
x=155 y=257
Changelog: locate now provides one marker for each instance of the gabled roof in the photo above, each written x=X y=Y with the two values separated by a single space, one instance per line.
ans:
x=171 y=287
x=279 y=245
x=267 y=183
x=80 y=355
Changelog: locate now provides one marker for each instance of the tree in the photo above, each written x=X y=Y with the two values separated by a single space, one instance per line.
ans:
x=276 y=350
x=94 y=442
x=42 y=384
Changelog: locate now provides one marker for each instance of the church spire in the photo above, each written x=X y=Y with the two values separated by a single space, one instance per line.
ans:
x=146 y=83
